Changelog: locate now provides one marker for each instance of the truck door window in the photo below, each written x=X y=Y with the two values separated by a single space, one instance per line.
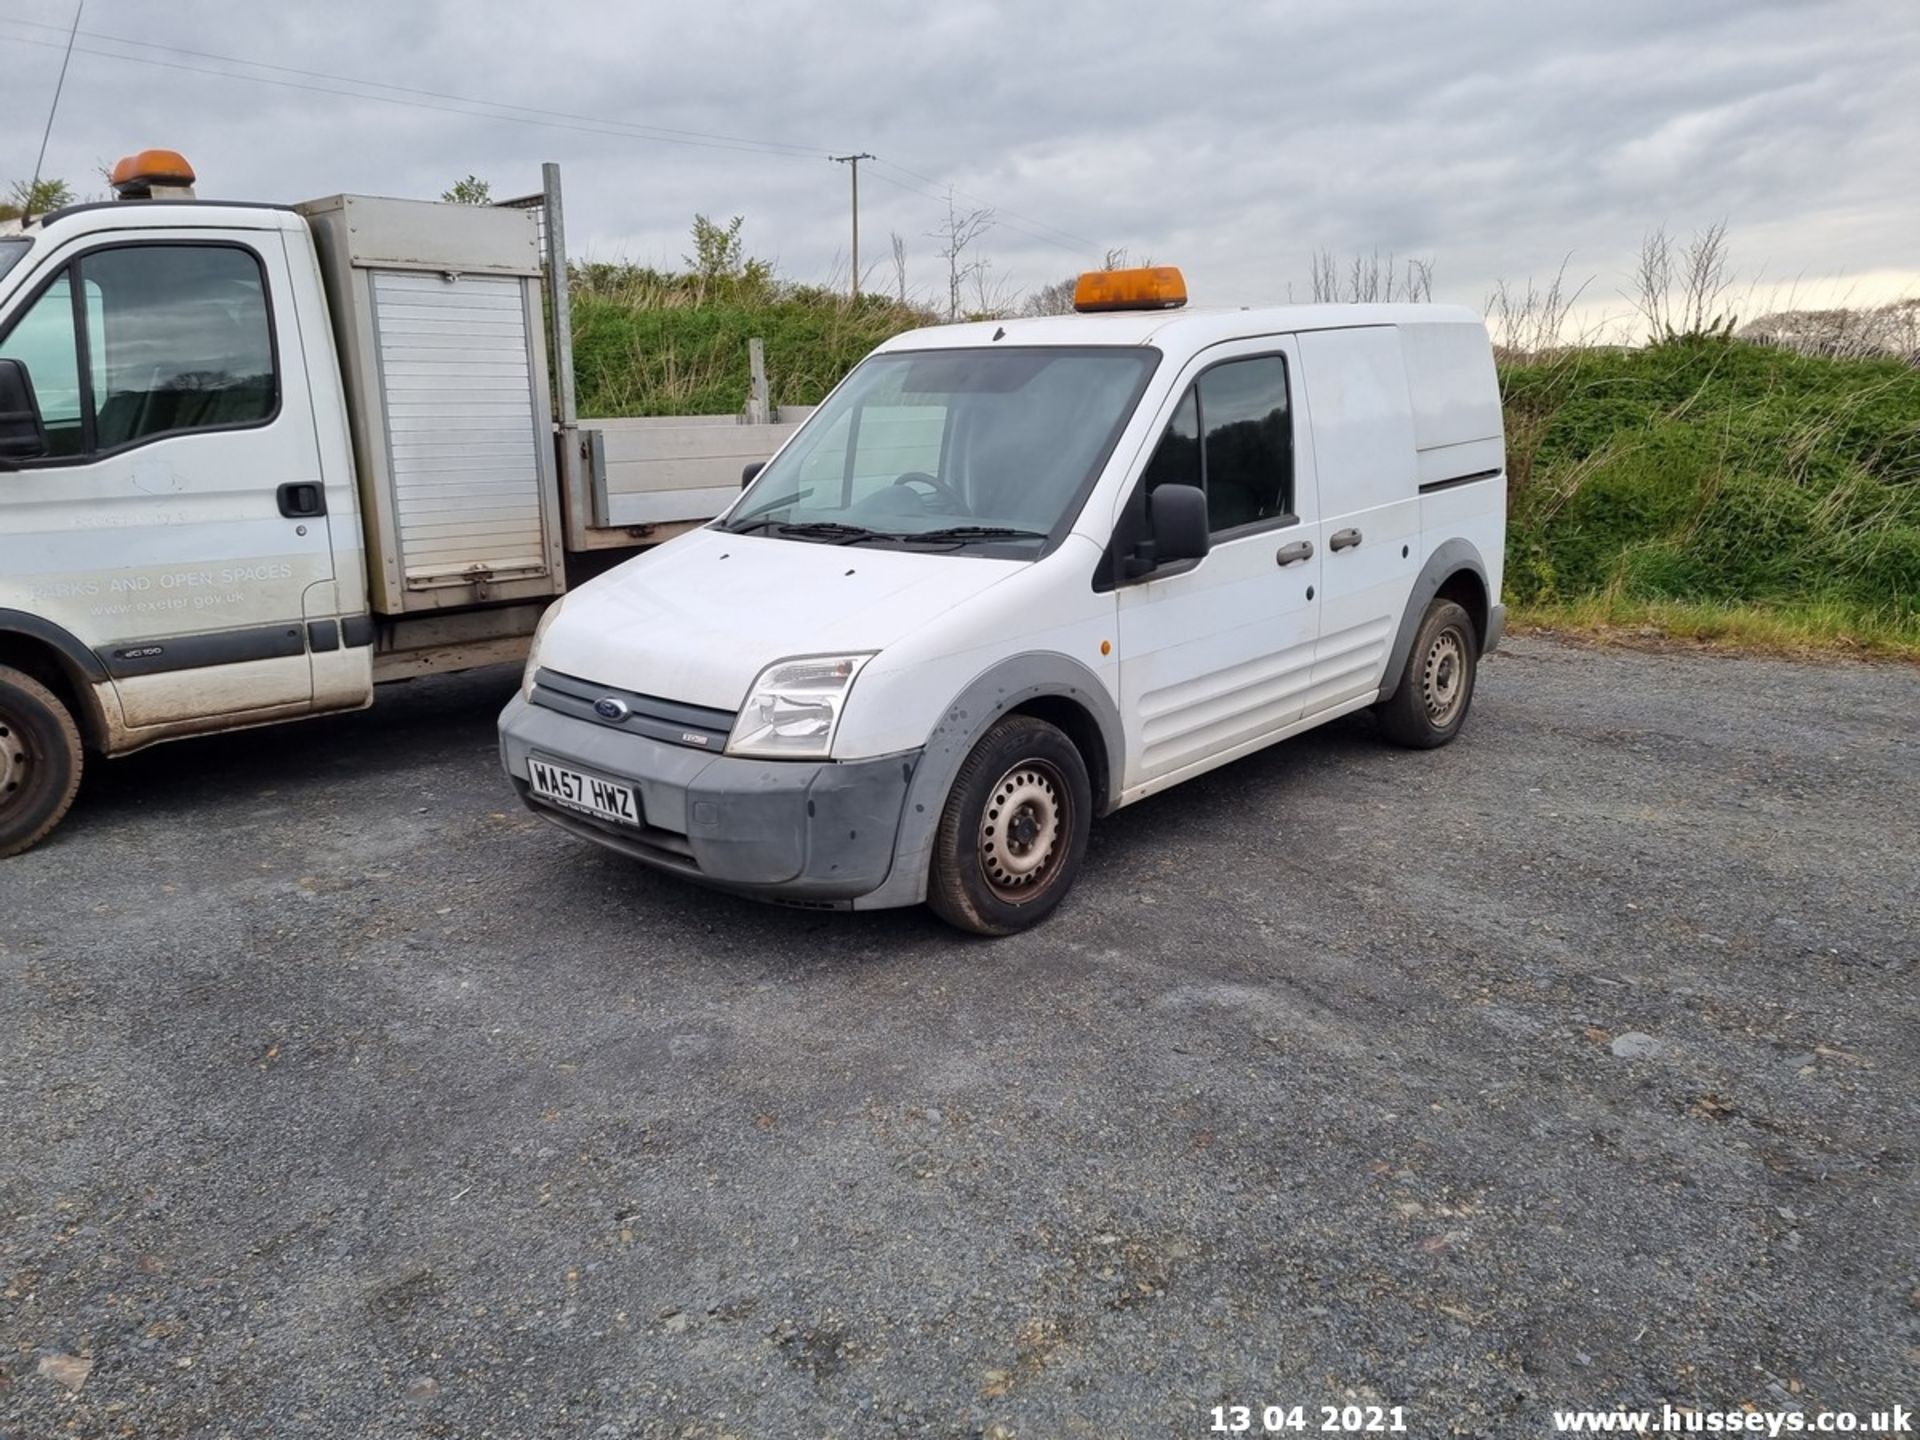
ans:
x=182 y=341
x=1232 y=435
x=42 y=339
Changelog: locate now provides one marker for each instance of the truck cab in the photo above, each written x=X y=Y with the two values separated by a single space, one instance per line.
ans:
x=256 y=458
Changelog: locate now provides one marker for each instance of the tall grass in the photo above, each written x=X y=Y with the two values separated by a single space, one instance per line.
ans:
x=651 y=343
x=1709 y=472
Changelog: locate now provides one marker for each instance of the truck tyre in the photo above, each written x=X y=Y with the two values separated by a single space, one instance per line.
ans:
x=40 y=755
x=1437 y=686
x=1014 y=829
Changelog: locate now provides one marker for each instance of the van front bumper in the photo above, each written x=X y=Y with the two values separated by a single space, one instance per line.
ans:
x=818 y=831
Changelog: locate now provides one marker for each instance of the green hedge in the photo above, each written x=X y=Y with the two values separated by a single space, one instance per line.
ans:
x=1716 y=471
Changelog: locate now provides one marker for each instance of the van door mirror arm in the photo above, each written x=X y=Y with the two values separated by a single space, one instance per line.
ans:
x=1140 y=560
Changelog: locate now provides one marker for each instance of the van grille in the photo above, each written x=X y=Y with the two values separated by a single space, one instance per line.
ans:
x=694 y=726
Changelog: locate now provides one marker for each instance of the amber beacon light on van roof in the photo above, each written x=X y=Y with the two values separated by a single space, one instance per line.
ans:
x=1152 y=287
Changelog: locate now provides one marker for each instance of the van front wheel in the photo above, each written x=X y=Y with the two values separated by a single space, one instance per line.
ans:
x=1437 y=686
x=1014 y=829
x=40 y=759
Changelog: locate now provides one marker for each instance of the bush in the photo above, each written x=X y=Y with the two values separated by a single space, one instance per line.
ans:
x=1709 y=470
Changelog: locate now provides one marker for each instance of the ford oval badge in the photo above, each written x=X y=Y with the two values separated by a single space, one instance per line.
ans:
x=608 y=708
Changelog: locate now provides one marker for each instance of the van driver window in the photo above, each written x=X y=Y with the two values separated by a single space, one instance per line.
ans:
x=1232 y=435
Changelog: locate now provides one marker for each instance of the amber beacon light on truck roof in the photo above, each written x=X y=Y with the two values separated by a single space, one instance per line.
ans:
x=153 y=175
x=1151 y=287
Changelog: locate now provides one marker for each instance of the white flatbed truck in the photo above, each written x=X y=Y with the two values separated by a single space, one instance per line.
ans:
x=256 y=459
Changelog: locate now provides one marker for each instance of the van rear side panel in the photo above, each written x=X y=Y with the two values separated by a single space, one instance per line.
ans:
x=1456 y=401
x=1369 y=532
x=1461 y=459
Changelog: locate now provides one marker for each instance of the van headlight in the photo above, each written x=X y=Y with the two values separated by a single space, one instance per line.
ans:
x=551 y=614
x=793 y=708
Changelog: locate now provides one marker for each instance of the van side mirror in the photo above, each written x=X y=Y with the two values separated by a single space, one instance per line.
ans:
x=1178 y=515
x=23 y=435
x=750 y=471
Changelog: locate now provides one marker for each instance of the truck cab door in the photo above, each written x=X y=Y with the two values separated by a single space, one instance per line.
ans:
x=178 y=520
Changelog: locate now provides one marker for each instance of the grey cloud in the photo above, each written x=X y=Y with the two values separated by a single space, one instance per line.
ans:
x=1491 y=135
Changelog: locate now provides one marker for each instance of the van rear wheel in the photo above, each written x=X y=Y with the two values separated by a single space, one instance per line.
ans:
x=1014 y=829
x=40 y=757
x=1436 y=688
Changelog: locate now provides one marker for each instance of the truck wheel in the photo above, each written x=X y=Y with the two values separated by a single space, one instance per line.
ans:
x=1437 y=686
x=40 y=759
x=1014 y=829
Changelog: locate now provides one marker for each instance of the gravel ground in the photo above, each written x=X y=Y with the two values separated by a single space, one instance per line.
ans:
x=1573 y=1065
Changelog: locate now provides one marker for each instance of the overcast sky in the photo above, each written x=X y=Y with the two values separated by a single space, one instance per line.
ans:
x=1493 y=137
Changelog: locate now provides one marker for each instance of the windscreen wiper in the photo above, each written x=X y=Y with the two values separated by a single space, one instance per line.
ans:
x=829 y=530
x=977 y=532
x=802 y=527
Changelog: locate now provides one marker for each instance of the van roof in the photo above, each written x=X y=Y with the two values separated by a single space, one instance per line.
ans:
x=1186 y=330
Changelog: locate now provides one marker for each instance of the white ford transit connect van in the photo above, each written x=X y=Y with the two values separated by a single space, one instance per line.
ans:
x=1013 y=575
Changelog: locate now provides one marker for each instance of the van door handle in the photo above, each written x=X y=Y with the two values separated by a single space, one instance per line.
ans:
x=1293 y=554
x=301 y=499
x=1344 y=540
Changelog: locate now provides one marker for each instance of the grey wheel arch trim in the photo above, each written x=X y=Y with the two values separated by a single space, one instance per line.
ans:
x=1446 y=562
x=1002 y=688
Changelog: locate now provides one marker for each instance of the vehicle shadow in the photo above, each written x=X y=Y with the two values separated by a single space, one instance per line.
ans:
x=410 y=723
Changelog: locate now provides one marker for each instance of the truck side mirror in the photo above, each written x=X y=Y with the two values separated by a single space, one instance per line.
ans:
x=23 y=435
x=1178 y=514
x=749 y=471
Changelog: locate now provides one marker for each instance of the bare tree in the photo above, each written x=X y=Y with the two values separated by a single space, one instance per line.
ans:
x=993 y=299
x=899 y=263
x=1678 y=290
x=1369 y=279
x=962 y=229
x=1054 y=299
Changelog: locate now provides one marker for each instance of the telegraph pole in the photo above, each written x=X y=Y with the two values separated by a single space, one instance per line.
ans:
x=854 y=162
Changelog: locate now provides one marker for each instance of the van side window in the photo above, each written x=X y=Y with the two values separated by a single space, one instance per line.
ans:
x=1232 y=435
x=184 y=338
x=1176 y=460
x=1248 y=445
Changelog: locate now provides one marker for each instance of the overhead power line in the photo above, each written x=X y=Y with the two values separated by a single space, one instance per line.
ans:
x=413 y=97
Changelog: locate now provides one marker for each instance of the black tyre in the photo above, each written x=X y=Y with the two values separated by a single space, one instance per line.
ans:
x=40 y=757
x=1014 y=830
x=1436 y=688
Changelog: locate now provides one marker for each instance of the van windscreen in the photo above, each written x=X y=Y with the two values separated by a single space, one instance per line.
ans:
x=964 y=449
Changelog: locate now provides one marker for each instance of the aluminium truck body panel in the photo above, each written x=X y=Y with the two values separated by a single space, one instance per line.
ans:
x=436 y=315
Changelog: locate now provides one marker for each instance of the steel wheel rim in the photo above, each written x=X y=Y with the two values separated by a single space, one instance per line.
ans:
x=14 y=759
x=1443 y=678
x=1024 y=825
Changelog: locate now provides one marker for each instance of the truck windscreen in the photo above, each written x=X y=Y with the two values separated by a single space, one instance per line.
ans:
x=957 y=448
x=12 y=251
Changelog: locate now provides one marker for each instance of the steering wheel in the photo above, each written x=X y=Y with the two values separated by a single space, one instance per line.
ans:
x=942 y=490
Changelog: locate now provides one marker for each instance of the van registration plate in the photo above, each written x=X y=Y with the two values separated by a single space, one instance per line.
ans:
x=574 y=791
